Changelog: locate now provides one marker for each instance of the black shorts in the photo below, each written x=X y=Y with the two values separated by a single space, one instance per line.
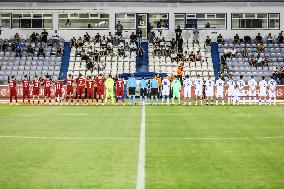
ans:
x=154 y=91
x=131 y=90
x=143 y=92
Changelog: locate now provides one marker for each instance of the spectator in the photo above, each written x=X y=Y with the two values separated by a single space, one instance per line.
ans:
x=259 y=61
x=265 y=61
x=41 y=52
x=195 y=35
x=247 y=39
x=90 y=65
x=207 y=25
x=59 y=51
x=97 y=38
x=133 y=46
x=236 y=39
x=198 y=56
x=179 y=45
x=17 y=37
x=269 y=38
x=68 y=23
x=4 y=46
x=178 y=32
x=30 y=51
x=260 y=47
x=87 y=37
x=245 y=52
x=207 y=44
x=18 y=51
x=280 y=38
x=118 y=28
x=258 y=38
x=139 y=36
x=133 y=37
x=220 y=39
x=80 y=42
x=44 y=35
x=252 y=61
x=141 y=55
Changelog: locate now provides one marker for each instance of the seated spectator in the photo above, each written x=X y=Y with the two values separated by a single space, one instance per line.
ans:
x=133 y=37
x=103 y=43
x=44 y=35
x=59 y=51
x=4 y=46
x=41 y=52
x=222 y=64
x=260 y=47
x=245 y=52
x=30 y=51
x=133 y=46
x=220 y=39
x=247 y=39
x=265 y=61
x=192 y=57
x=280 y=38
x=17 y=37
x=80 y=42
x=252 y=61
x=115 y=41
x=198 y=56
x=87 y=37
x=18 y=51
x=269 y=38
x=73 y=42
x=258 y=38
x=259 y=62
x=90 y=65
x=207 y=25
x=97 y=38
x=13 y=46
x=109 y=50
x=207 y=44
x=236 y=39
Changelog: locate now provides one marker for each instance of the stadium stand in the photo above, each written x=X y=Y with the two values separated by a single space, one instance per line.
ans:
x=257 y=58
x=21 y=57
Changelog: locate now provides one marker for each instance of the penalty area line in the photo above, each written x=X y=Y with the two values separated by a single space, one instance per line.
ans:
x=215 y=138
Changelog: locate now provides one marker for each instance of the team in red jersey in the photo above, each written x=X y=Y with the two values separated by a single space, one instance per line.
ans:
x=47 y=83
x=13 y=89
x=69 y=88
x=90 y=89
x=100 y=81
x=58 y=85
x=80 y=81
x=36 y=89
x=26 y=88
x=119 y=83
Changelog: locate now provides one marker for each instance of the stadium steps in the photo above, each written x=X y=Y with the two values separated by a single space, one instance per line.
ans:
x=145 y=63
x=65 y=60
x=215 y=58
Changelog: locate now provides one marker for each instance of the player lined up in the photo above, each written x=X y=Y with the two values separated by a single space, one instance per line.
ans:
x=100 y=89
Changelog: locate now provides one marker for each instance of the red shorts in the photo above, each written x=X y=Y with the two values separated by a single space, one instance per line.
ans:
x=47 y=92
x=26 y=93
x=13 y=92
x=120 y=93
x=36 y=91
x=80 y=91
x=69 y=91
x=90 y=93
x=100 y=91
x=58 y=93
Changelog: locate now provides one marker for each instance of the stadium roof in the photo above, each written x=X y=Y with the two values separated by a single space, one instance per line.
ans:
x=153 y=1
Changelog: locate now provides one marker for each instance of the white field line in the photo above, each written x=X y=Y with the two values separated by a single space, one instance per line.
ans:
x=140 y=183
x=215 y=138
x=36 y=115
x=68 y=138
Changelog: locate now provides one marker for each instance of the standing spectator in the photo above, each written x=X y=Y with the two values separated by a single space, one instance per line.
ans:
x=44 y=35
x=139 y=36
x=195 y=35
x=17 y=37
x=87 y=37
x=220 y=39
x=207 y=25
x=207 y=44
x=280 y=38
x=180 y=44
x=30 y=51
x=33 y=37
x=269 y=38
x=141 y=55
x=118 y=28
x=258 y=38
x=133 y=37
x=68 y=23
x=236 y=39
x=178 y=32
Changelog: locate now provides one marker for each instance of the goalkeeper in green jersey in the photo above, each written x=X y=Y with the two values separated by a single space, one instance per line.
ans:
x=109 y=84
x=176 y=88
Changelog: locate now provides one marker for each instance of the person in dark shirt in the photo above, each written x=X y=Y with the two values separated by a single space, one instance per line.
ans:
x=207 y=44
x=97 y=38
x=44 y=35
x=207 y=25
x=33 y=37
x=236 y=39
x=41 y=52
x=133 y=37
x=173 y=43
x=87 y=37
x=258 y=38
x=139 y=36
x=179 y=44
x=220 y=39
x=280 y=38
x=118 y=28
x=178 y=32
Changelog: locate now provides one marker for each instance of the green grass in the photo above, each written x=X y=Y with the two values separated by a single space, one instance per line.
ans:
x=172 y=162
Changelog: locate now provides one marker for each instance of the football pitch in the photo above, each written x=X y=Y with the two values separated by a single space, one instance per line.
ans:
x=87 y=147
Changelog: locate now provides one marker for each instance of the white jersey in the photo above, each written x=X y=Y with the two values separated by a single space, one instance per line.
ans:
x=187 y=83
x=262 y=88
x=252 y=88
x=166 y=86
x=210 y=87
x=241 y=84
x=231 y=88
x=220 y=85
x=198 y=87
x=272 y=84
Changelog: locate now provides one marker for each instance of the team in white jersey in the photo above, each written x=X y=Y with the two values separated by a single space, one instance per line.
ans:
x=272 y=84
x=198 y=84
x=187 y=83
x=166 y=85
x=219 y=90
x=209 y=91
x=240 y=92
x=252 y=89
x=231 y=89
x=262 y=91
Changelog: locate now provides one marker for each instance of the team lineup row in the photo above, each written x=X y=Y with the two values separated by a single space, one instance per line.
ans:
x=102 y=88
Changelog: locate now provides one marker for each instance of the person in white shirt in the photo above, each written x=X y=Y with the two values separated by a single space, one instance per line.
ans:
x=262 y=91
x=252 y=90
x=198 y=83
x=272 y=84
x=166 y=84
x=209 y=90
x=187 y=83
x=219 y=90
x=231 y=89
x=240 y=90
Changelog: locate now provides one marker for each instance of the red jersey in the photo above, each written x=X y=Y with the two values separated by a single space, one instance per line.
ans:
x=100 y=83
x=58 y=85
x=36 y=84
x=90 y=84
x=80 y=81
x=119 y=85
x=47 y=84
x=69 y=82
x=13 y=84
x=26 y=85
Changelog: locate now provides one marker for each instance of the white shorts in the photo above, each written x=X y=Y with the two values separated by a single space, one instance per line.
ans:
x=165 y=92
x=198 y=93
x=262 y=93
x=272 y=94
x=241 y=93
x=231 y=92
x=252 y=93
x=209 y=92
x=186 y=93
x=220 y=94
